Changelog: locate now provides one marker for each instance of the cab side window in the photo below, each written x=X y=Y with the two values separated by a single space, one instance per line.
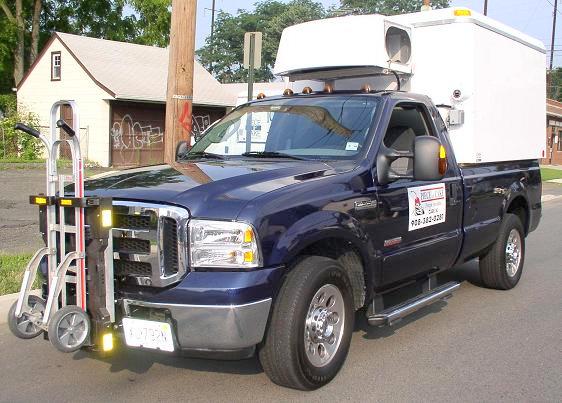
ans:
x=406 y=123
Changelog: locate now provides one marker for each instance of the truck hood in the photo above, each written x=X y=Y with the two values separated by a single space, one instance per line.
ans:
x=209 y=189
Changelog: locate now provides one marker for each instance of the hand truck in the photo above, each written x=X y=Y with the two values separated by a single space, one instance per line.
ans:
x=79 y=309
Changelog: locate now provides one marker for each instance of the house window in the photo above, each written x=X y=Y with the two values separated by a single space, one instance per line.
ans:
x=557 y=140
x=55 y=66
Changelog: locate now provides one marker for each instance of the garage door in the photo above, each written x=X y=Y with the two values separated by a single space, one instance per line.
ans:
x=137 y=134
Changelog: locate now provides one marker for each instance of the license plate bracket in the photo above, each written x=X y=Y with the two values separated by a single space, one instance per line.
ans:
x=148 y=334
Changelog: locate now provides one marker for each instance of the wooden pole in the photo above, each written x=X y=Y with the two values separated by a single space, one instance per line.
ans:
x=179 y=100
x=485 y=7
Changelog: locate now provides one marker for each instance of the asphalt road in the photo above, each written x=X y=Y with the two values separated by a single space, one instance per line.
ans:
x=481 y=345
x=18 y=219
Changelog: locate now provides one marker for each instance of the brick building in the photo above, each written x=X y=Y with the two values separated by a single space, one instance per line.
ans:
x=553 y=133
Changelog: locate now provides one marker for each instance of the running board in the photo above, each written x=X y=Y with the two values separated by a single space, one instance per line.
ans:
x=393 y=314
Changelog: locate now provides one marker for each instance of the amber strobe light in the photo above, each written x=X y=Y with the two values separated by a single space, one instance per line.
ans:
x=107 y=218
x=462 y=12
x=107 y=342
x=442 y=160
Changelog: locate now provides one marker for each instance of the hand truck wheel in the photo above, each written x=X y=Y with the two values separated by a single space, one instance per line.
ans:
x=69 y=329
x=25 y=326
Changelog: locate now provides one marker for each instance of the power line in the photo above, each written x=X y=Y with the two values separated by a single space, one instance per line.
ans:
x=556 y=9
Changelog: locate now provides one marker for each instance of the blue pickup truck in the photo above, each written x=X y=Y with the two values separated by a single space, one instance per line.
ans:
x=293 y=213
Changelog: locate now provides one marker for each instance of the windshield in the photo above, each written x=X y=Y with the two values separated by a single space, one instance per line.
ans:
x=325 y=128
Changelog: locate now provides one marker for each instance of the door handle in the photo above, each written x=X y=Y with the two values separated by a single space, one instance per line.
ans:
x=453 y=194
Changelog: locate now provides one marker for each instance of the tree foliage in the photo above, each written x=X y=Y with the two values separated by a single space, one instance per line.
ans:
x=223 y=54
x=12 y=143
x=554 y=80
x=388 y=7
x=137 y=21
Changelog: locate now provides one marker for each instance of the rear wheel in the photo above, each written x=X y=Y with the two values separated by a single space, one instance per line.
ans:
x=310 y=331
x=502 y=266
x=25 y=326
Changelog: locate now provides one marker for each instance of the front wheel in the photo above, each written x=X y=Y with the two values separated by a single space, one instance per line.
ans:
x=502 y=266
x=310 y=331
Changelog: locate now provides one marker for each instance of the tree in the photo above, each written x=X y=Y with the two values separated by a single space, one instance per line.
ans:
x=554 y=82
x=152 y=20
x=223 y=54
x=388 y=7
x=15 y=16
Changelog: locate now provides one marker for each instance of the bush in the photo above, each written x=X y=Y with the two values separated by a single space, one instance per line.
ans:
x=14 y=144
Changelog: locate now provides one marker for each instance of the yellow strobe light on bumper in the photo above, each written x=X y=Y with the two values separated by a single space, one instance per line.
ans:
x=107 y=342
x=107 y=218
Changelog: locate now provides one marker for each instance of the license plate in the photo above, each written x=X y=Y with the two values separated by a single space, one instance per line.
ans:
x=148 y=334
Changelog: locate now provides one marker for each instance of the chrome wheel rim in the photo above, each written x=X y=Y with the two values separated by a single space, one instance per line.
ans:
x=72 y=330
x=26 y=323
x=324 y=325
x=513 y=252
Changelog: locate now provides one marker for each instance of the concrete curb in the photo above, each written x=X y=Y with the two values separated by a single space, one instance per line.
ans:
x=547 y=198
x=6 y=302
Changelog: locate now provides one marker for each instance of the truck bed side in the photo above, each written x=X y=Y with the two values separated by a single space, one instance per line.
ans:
x=492 y=190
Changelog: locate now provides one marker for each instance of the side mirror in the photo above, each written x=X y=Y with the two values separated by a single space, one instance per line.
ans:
x=430 y=159
x=181 y=150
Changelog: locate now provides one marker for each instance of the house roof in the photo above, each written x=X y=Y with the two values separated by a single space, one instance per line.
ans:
x=553 y=108
x=137 y=72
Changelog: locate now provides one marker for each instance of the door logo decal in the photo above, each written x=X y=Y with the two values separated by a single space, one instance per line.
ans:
x=427 y=206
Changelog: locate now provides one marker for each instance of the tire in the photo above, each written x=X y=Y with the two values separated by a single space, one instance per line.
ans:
x=69 y=329
x=500 y=269
x=306 y=344
x=22 y=327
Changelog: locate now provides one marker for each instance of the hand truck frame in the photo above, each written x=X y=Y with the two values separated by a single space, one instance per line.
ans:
x=80 y=306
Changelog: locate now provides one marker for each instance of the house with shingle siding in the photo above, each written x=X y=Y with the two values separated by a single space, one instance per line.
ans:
x=120 y=91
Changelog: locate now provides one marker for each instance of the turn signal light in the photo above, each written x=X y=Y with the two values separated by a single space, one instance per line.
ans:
x=443 y=165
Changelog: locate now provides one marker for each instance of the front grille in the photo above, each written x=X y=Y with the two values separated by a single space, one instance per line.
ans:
x=131 y=246
x=138 y=222
x=149 y=243
x=132 y=268
x=169 y=246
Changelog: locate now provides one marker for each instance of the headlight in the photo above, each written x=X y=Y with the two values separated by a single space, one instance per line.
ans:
x=223 y=244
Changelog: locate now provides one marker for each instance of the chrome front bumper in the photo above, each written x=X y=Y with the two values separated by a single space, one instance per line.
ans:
x=214 y=327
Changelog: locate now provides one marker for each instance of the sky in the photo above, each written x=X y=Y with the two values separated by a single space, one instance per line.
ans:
x=533 y=17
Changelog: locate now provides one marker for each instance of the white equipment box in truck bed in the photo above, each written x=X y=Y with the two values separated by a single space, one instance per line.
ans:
x=490 y=77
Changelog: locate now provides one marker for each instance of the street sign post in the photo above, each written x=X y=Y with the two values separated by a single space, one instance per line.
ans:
x=252 y=57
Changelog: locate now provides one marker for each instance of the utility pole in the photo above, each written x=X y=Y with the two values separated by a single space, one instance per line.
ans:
x=179 y=100
x=553 y=34
x=213 y=20
x=485 y=7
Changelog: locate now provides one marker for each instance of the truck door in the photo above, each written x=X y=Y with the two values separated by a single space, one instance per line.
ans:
x=419 y=223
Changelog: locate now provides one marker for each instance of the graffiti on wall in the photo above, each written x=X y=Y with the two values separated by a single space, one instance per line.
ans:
x=135 y=143
x=200 y=124
x=130 y=135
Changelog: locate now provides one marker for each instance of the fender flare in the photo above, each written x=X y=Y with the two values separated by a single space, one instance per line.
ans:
x=321 y=226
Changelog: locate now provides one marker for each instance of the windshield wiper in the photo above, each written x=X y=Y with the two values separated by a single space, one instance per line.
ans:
x=271 y=154
x=203 y=154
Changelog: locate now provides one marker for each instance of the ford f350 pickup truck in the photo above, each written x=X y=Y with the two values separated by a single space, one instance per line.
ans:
x=290 y=215
x=353 y=195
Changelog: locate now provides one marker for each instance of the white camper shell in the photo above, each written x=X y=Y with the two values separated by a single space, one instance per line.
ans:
x=488 y=78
